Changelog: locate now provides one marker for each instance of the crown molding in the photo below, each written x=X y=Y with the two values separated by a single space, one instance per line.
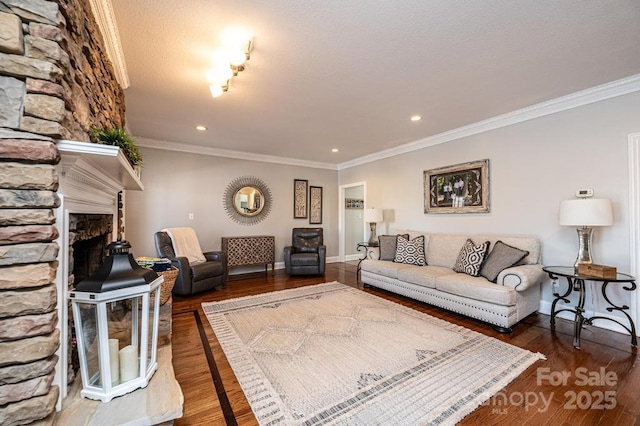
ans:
x=228 y=153
x=106 y=20
x=595 y=94
x=603 y=92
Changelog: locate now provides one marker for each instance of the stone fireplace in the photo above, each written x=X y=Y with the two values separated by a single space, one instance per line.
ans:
x=56 y=82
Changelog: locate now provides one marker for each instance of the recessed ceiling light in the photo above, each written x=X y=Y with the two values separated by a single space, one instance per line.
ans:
x=334 y=150
x=201 y=128
x=416 y=117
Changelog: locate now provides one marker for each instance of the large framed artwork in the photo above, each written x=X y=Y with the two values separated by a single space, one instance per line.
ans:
x=460 y=188
x=300 y=188
x=315 y=205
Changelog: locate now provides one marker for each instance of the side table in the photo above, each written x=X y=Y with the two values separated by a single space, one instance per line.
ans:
x=366 y=253
x=576 y=282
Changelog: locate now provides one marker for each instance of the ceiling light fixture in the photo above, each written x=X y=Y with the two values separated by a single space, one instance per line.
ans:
x=334 y=150
x=229 y=61
x=219 y=75
x=416 y=117
x=217 y=89
x=201 y=128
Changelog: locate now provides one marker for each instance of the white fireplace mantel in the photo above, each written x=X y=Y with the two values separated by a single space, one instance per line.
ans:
x=97 y=166
x=90 y=177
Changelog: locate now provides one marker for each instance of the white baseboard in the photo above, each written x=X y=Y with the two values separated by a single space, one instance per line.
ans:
x=545 y=308
x=350 y=257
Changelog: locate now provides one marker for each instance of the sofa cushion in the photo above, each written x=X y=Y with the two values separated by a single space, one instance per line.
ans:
x=422 y=275
x=443 y=250
x=530 y=244
x=382 y=267
x=502 y=256
x=388 y=245
x=471 y=258
x=410 y=252
x=477 y=288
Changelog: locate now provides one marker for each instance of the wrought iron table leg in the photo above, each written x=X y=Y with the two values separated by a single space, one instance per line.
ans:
x=358 y=268
x=631 y=329
x=579 y=319
x=559 y=297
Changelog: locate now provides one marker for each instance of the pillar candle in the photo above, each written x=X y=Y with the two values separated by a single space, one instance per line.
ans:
x=128 y=363
x=114 y=361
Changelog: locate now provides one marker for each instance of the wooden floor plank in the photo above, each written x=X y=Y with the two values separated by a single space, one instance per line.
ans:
x=600 y=349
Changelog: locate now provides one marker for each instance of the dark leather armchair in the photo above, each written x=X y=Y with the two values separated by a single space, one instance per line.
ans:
x=307 y=254
x=197 y=277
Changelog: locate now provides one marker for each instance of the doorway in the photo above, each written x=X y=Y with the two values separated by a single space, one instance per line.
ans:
x=634 y=219
x=351 y=222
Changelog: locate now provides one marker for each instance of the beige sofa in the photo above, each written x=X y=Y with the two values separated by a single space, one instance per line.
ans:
x=514 y=296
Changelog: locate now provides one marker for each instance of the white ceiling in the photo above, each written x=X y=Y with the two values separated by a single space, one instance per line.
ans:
x=347 y=74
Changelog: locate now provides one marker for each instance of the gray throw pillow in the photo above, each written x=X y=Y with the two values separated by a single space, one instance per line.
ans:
x=388 y=246
x=410 y=252
x=502 y=256
x=471 y=257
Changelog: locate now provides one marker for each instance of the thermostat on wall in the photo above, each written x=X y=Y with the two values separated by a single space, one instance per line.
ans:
x=584 y=193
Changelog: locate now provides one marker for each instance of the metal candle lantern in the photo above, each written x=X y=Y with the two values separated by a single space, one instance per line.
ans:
x=115 y=314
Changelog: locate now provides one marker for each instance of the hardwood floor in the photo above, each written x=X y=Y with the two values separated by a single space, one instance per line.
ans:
x=600 y=386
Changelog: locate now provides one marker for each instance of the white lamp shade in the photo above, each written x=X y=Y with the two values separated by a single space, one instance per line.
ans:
x=586 y=212
x=373 y=215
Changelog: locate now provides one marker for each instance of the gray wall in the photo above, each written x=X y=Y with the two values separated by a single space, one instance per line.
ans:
x=177 y=184
x=533 y=166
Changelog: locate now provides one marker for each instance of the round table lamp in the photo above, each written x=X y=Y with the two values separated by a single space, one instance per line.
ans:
x=585 y=214
x=372 y=217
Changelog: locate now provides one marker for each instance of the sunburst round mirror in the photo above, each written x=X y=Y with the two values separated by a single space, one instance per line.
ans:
x=247 y=200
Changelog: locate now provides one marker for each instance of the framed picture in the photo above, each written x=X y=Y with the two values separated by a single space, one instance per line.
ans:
x=353 y=203
x=315 y=205
x=300 y=187
x=461 y=188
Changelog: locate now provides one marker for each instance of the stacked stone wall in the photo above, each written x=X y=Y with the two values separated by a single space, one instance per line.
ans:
x=55 y=83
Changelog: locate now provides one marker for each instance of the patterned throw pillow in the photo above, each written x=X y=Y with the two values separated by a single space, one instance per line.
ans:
x=471 y=257
x=410 y=252
x=502 y=256
x=388 y=246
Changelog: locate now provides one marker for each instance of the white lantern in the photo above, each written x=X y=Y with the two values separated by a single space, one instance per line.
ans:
x=115 y=314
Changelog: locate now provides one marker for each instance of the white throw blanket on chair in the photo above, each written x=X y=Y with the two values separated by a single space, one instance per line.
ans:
x=186 y=244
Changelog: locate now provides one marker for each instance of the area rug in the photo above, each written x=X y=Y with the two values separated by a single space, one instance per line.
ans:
x=332 y=354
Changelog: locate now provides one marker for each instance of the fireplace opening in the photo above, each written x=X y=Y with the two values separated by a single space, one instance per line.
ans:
x=88 y=256
x=89 y=236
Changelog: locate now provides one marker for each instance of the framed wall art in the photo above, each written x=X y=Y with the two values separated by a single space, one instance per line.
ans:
x=300 y=188
x=460 y=188
x=315 y=205
x=354 y=203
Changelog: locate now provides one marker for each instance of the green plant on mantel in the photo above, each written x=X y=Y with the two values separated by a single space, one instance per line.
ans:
x=116 y=136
